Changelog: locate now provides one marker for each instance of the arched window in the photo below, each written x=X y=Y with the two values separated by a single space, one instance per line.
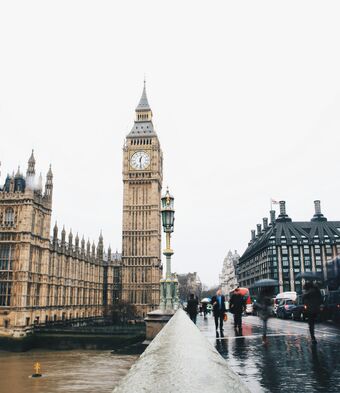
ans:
x=9 y=217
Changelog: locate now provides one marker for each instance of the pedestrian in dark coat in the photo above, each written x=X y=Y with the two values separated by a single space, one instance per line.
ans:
x=312 y=299
x=204 y=308
x=192 y=308
x=237 y=306
x=263 y=306
x=218 y=303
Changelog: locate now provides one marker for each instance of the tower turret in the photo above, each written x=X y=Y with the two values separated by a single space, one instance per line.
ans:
x=49 y=184
x=76 y=243
x=63 y=237
x=31 y=165
x=83 y=247
x=30 y=173
x=88 y=248
x=55 y=234
x=70 y=240
x=93 y=250
x=100 y=247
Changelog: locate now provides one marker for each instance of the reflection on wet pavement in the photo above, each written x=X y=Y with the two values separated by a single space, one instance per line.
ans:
x=287 y=363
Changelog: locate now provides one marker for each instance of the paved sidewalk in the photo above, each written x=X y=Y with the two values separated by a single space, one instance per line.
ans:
x=288 y=363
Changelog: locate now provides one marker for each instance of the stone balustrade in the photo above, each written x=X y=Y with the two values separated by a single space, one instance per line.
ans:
x=180 y=360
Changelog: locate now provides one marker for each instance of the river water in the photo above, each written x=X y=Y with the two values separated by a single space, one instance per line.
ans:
x=63 y=371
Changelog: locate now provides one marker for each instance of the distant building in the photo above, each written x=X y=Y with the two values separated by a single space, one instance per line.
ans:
x=284 y=248
x=45 y=280
x=228 y=276
x=187 y=284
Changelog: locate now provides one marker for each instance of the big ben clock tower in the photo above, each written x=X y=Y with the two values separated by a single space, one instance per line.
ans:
x=142 y=180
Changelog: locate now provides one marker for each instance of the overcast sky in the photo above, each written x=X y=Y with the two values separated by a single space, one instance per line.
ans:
x=245 y=96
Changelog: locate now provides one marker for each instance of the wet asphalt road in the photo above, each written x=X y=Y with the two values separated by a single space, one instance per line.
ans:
x=288 y=362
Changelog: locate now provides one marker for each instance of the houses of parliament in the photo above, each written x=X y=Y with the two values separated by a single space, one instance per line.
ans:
x=48 y=275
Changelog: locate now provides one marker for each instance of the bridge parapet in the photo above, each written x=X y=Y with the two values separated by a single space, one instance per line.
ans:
x=180 y=360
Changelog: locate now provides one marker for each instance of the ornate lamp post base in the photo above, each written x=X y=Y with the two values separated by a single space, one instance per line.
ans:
x=155 y=321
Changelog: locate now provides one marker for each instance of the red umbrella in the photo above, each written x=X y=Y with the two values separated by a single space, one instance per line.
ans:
x=244 y=292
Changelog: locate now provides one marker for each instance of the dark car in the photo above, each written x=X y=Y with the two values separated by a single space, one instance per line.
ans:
x=332 y=306
x=285 y=308
x=299 y=310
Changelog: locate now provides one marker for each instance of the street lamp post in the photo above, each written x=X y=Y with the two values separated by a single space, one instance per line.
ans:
x=169 y=284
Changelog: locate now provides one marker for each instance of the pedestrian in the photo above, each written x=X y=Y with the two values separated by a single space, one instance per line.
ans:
x=218 y=303
x=263 y=306
x=192 y=308
x=237 y=306
x=204 y=307
x=312 y=300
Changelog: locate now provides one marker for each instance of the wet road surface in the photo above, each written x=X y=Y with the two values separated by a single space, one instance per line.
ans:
x=288 y=362
x=63 y=371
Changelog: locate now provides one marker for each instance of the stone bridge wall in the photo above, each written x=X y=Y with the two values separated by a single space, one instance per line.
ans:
x=180 y=360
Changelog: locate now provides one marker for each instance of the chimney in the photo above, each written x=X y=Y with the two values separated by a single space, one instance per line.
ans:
x=258 y=229
x=253 y=234
x=265 y=223
x=272 y=217
x=318 y=216
x=317 y=207
x=282 y=208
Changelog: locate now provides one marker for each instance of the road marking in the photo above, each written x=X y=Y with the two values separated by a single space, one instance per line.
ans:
x=268 y=335
x=259 y=335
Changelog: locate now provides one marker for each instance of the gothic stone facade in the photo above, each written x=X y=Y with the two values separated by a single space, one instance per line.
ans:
x=45 y=280
x=284 y=248
x=187 y=284
x=142 y=187
x=228 y=276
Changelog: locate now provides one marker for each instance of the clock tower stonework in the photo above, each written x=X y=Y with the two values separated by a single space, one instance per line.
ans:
x=142 y=188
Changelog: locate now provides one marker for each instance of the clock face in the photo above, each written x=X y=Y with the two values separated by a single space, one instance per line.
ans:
x=140 y=160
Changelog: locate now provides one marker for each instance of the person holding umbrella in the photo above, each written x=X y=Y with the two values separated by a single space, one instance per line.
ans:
x=312 y=300
x=263 y=304
x=237 y=306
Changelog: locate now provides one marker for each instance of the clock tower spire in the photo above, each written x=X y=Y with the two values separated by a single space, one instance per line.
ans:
x=143 y=125
x=142 y=188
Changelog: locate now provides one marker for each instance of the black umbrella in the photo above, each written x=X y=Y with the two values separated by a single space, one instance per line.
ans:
x=266 y=282
x=310 y=276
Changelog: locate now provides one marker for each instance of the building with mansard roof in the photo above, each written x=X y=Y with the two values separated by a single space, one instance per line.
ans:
x=284 y=248
x=46 y=280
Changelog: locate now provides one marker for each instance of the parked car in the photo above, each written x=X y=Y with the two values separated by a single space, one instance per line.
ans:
x=284 y=309
x=332 y=306
x=299 y=310
x=283 y=296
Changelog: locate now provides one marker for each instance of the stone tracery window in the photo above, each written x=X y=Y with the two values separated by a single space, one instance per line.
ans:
x=9 y=217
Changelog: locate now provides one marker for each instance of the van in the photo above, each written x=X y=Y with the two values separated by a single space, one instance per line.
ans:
x=283 y=296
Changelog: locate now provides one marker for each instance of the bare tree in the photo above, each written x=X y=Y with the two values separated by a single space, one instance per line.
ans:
x=121 y=312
